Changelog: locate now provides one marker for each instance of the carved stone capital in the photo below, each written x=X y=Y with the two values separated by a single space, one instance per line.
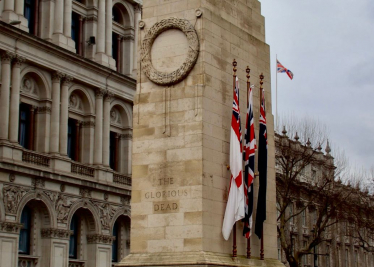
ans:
x=6 y=57
x=103 y=239
x=126 y=136
x=43 y=110
x=88 y=124
x=18 y=60
x=100 y=92
x=109 y=96
x=57 y=76
x=56 y=233
x=129 y=37
x=91 y=18
x=67 y=80
x=10 y=227
x=137 y=8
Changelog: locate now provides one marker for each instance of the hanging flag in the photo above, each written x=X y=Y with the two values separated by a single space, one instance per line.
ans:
x=262 y=169
x=282 y=69
x=235 y=203
x=249 y=166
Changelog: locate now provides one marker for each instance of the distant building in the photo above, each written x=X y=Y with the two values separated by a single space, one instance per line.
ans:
x=340 y=248
x=68 y=72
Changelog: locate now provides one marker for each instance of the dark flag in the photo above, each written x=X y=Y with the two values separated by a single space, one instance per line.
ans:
x=262 y=169
x=249 y=166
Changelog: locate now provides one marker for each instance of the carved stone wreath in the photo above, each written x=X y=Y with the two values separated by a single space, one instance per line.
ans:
x=164 y=78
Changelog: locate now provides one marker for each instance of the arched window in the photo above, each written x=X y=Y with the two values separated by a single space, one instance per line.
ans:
x=24 y=237
x=73 y=242
x=116 y=13
x=26 y=126
x=115 y=243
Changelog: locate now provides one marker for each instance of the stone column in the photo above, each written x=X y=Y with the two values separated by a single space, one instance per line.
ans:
x=106 y=129
x=67 y=17
x=9 y=5
x=98 y=150
x=108 y=28
x=128 y=45
x=6 y=59
x=137 y=18
x=19 y=7
x=58 y=18
x=55 y=113
x=14 y=100
x=100 y=42
x=64 y=116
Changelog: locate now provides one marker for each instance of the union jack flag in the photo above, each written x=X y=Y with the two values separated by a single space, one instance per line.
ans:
x=262 y=169
x=249 y=166
x=282 y=69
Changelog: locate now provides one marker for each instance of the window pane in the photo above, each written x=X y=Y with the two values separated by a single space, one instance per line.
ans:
x=115 y=243
x=73 y=244
x=112 y=150
x=24 y=237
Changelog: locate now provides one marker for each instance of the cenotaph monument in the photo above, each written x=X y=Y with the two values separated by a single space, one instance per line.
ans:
x=181 y=132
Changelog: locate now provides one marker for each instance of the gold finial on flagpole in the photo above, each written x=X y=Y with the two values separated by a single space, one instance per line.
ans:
x=234 y=63
x=248 y=70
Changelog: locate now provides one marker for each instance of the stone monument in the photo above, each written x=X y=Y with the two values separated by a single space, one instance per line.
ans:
x=181 y=131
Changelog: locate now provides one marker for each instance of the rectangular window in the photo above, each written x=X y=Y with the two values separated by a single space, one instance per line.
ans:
x=29 y=11
x=73 y=242
x=73 y=139
x=75 y=30
x=24 y=236
x=26 y=123
x=113 y=151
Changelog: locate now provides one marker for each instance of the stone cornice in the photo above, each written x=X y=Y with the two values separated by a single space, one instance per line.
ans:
x=102 y=239
x=56 y=233
x=10 y=227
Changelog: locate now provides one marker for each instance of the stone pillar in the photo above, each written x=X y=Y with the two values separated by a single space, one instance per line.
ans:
x=19 y=7
x=9 y=5
x=128 y=45
x=67 y=18
x=108 y=28
x=58 y=18
x=64 y=116
x=8 y=14
x=98 y=150
x=55 y=113
x=137 y=18
x=9 y=238
x=126 y=150
x=14 y=100
x=6 y=59
x=100 y=56
x=106 y=129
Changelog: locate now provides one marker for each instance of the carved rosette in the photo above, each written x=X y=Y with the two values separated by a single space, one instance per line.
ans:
x=164 y=78
x=56 y=233
x=12 y=198
x=102 y=239
x=10 y=227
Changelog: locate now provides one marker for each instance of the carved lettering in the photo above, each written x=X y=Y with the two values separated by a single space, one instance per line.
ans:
x=166 y=207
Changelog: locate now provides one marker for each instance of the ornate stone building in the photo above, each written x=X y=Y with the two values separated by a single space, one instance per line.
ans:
x=340 y=246
x=68 y=72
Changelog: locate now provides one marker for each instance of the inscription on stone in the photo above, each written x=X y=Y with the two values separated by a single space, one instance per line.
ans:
x=166 y=206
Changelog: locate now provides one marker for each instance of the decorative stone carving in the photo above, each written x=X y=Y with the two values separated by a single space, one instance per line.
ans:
x=57 y=76
x=62 y=187
x=12 y=197
x=88 y=124
x=62 y=207
x=56 y=233
x=43 y=110
x=106 y=196
x=100 y=93
x=7 y=57
x=75 y=102
x=125 y=200
x=109 y=96
x=163 y=78
x=106 y=213
x=115 y=116
x=137 y=8
x=18 y=60
x=29 y=86
x=129 y=37
x=51 y=195
x=141 y=24
x=85 y=192
x=67 y=80
x=126 y=136
x=38 y=183
x=12 y=177
x=10 y=227
x=103 y=239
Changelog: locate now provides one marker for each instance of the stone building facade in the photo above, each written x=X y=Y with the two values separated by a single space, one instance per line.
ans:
x=68 y=72
x=340 y=248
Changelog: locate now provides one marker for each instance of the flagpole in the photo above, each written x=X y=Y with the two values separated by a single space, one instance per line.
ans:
x=262 y=231
x=248 y=87
x=276 y=92
x=234 y=248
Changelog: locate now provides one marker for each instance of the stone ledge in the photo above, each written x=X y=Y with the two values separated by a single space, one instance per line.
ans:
x=198 y=258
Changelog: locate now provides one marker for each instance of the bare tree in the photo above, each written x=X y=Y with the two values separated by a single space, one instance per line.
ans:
x=307 y=181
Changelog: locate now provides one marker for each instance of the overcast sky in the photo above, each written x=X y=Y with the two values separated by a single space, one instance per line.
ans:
x=329 y=46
